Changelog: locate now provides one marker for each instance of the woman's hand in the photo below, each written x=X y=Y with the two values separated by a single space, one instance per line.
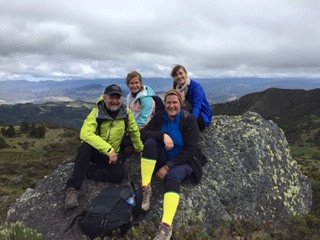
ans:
x=162 y=172
x=168 y=143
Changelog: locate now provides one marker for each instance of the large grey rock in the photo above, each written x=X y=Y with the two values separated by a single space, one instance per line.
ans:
x=250 y=175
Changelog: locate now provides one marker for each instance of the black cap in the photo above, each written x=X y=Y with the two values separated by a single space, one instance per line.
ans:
x=113 y=89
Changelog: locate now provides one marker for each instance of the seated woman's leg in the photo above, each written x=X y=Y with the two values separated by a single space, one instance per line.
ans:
x=152 y=154
x=172 y=188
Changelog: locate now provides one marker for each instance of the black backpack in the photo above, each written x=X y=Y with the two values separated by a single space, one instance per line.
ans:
x=159 y=103
x=111 y=213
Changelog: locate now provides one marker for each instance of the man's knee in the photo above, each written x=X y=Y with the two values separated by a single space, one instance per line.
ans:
x=84 y=148
x=117 y=175
x=85 y=145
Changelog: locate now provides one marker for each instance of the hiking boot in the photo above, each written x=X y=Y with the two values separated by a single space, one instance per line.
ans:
x=164 y=232
x=71 y=200
x=146 y=194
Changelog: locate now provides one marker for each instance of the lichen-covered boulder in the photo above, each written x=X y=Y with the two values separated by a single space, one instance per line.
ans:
x=250 y=175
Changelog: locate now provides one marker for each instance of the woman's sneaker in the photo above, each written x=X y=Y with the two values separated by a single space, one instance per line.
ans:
x=164 y=232
x=146 y=193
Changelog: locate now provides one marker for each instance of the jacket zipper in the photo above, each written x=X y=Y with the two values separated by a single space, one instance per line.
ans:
x=109 y=131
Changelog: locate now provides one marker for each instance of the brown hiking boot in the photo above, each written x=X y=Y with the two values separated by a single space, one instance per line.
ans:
x=146 y=193
x=164 y=232
x=71 y=200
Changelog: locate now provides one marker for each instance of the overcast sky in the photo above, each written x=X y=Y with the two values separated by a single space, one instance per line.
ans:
x=60 y=39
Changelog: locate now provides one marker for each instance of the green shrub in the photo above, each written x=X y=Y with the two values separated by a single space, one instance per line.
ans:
x=37 y=131
x=68 y=133
x=313 y=222
x=18 y=231
x=298 y=228
x=3 y=131
x=3 y=143
x=24 y=127
x=24 y=145
x=316 y=138
x=11 y=132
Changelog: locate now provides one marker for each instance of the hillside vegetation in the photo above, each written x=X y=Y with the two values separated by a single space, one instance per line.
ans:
x=26 y=160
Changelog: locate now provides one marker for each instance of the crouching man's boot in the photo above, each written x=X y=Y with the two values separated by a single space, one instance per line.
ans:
x=146 y=194
x=71 y=200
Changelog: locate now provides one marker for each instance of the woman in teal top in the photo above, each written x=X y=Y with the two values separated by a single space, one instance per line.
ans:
x=140 y=99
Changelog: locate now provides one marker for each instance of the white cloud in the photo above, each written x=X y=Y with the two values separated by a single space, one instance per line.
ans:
x=106 y=38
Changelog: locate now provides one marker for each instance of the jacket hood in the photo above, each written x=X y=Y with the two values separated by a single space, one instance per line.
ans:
x=99 y=99
x=146 y=92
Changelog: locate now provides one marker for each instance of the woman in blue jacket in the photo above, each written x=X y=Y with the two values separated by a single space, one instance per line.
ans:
x=171 y=151
x=194 y=96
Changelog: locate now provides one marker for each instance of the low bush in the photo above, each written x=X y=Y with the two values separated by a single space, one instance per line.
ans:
x=3 y=143
x=18 y=231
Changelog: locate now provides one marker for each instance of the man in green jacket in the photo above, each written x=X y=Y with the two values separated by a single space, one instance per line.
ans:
x=101 y=136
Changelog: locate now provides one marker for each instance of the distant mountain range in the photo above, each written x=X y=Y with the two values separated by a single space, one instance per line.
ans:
x=295 y=111
x=217 y=89
x=275 y=103
x=287 y=107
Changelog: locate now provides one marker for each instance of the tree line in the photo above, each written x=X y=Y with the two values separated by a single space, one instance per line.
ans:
x=32 y=130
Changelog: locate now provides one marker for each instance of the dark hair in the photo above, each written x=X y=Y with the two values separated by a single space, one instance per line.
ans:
x=176 y=68
x=133 y=74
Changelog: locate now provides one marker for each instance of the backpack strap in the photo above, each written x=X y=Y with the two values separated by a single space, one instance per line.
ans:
x=98 y=130
x=76 y=218
x=136 y=189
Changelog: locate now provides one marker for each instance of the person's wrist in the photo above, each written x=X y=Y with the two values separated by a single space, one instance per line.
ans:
x=170 y=164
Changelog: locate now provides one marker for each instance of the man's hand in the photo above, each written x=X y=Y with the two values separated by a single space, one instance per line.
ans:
x=168 y=143
x=113 y=157
x=162 y=172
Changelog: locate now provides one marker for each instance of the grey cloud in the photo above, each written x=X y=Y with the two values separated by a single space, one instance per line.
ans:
x=109 y=38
